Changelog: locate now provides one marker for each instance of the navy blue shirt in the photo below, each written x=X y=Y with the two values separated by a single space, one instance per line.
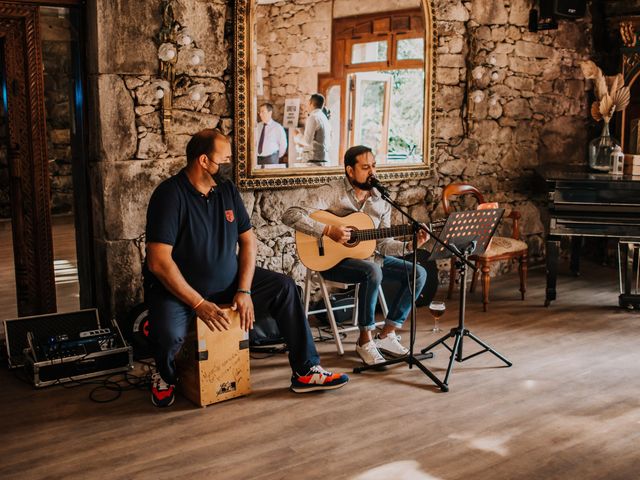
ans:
x=203 y=230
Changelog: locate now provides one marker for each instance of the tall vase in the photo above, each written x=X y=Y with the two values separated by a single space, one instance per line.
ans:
x=600 y=149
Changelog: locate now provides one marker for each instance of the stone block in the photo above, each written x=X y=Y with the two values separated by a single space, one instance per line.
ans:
x=519 y=12
x=489 y=13
x=527 y=67
x=274 y=205
x=123 y=268
x=448 y=76
x=564 y=139
x=519 y=83
x=115 y=41
x=449 y=97
x=518 y=109
x=449 y=127
x=205 y=20
x=177 y=144
x=115 y=127
x=150 y=146
x=411 y=195
x=186 y=122
x=453 y=11
x=533 y=50
x=530 y=221
x=125 y=188
x=453 y=167
x=449 y=60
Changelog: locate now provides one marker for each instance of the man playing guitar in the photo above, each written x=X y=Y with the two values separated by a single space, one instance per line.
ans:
x=355 y=193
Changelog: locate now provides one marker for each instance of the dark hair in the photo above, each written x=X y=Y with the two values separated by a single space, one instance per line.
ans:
x=352 y=154
x=317 y=100
x=204 y=143
x=268 y=106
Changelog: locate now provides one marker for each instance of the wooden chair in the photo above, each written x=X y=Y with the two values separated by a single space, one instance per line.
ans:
x=500 y=248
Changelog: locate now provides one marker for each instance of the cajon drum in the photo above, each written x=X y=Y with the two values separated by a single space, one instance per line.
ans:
x=214 y=366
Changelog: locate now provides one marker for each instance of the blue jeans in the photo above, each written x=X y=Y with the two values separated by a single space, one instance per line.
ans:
x=169 y=320
x=369 y=275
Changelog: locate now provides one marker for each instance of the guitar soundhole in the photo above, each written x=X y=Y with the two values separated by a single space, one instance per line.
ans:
x=354 y=240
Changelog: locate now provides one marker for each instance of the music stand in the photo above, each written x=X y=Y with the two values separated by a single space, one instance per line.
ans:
x=468 y=232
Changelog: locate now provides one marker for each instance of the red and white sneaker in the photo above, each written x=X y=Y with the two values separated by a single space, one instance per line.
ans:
x=162 y=394
x=317 y=378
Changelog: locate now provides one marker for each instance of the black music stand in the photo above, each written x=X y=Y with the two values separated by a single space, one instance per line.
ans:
x=411 y=359
x=466 y=232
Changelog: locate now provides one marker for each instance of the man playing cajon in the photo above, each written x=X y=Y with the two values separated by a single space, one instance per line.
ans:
x=195 y=221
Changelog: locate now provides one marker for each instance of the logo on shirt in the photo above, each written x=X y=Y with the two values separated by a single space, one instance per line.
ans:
x=229 y=215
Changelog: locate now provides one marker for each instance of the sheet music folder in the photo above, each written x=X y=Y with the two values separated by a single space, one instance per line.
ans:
x=466 y=226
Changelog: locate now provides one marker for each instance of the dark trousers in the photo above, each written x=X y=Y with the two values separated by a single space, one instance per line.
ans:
x=269 y=159
x=169 y=320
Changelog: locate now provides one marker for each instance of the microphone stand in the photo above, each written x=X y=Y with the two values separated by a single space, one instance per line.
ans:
x=411 y=359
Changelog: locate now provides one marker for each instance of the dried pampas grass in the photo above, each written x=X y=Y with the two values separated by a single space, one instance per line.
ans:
x=612 y=95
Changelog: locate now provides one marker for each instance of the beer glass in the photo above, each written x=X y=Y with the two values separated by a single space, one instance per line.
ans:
x=437 y=310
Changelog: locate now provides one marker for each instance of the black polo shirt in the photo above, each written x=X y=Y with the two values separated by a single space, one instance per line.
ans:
x=203 y=230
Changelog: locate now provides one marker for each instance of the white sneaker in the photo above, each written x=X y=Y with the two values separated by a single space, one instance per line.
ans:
x=391 y=345
x=369 y=353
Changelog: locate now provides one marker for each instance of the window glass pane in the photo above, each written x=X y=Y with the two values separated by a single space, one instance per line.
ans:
x=369 y=52
x=406 y=122
x=370 y=114
x=411 y=49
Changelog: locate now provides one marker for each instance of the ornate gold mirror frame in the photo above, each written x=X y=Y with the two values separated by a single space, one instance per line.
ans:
x=244 y=114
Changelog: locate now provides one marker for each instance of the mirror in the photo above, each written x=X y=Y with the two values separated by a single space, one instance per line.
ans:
x=313 y=78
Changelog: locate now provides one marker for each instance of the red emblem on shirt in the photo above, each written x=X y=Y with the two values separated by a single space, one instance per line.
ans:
x=229 y=215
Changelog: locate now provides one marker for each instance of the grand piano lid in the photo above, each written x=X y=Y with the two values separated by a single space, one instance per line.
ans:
x=558 y=172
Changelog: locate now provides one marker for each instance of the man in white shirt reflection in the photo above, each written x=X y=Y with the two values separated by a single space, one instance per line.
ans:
x=271 y=139
x=316 y=140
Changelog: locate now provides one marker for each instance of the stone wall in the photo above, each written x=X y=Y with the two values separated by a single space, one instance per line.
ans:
x=533 y=110
x=294 y=44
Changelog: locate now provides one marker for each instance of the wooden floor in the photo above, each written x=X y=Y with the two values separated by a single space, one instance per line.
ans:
x=65 y=267
x=568 y=408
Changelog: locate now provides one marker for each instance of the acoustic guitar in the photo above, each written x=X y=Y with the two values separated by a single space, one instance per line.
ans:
x=321 y=254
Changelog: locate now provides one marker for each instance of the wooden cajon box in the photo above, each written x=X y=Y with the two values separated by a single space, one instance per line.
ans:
x=214 y=366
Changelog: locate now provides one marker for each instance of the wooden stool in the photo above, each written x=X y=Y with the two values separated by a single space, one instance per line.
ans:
x=214 y=366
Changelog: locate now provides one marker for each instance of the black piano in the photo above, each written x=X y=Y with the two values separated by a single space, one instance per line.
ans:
x=582 y=203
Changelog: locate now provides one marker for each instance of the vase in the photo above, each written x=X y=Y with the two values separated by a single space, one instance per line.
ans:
x=600 y=149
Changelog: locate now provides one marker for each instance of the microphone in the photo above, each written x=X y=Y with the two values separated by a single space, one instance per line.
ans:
x=378 y=186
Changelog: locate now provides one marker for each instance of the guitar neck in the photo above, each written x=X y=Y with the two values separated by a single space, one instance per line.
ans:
x=395 y=231
x=377 y=233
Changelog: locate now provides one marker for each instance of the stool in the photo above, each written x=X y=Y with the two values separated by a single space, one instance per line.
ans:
x=313 y=276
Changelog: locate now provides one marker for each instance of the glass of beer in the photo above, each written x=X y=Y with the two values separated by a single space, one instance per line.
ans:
x=437 y=310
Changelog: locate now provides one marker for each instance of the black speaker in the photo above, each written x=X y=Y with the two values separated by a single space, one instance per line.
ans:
x=569 y=8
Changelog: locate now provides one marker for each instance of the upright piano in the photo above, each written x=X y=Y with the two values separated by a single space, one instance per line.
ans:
x=582 y=203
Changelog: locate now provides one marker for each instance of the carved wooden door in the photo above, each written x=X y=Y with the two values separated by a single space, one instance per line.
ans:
x=28 y=170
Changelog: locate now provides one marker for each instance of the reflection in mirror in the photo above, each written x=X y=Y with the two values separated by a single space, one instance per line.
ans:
x=332 y=74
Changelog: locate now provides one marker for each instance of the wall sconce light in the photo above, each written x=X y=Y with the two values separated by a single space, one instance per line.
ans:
x=176 y=47
x=477 y=96
x=478 y=72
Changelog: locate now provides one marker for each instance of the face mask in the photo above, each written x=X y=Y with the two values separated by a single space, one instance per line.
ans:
x=225 y=173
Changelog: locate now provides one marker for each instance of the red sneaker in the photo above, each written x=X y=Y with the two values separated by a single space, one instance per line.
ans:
x=317 y=378
x=162 y=394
